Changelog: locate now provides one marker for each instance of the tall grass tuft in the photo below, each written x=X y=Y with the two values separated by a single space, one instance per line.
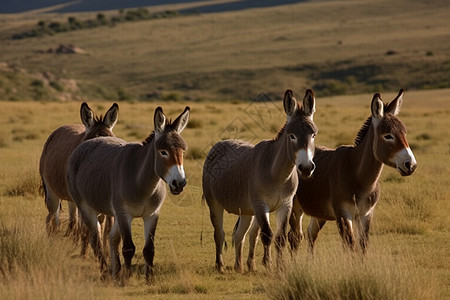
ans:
x=28 y=183
x=346 y=276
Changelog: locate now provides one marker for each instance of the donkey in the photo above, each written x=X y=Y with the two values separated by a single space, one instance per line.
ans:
x=55 y=154
x=345 y=184
x=253 y=180
x=126 y=180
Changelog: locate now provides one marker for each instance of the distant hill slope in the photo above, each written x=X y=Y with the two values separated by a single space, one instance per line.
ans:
x=14 y=6
x=333 y=47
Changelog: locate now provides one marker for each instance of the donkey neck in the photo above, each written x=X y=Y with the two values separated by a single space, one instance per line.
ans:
x=146 y=178
x=367 y=167
x=283 y=159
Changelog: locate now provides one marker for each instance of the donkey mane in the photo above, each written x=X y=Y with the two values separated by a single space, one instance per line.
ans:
x=280 y=132
x=363 y=131
x=99 y=119
x=150 y=137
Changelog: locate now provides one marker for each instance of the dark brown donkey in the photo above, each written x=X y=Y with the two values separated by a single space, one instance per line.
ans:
x=57 y=149
x=253 y=180
x=345 y=185
x=126 y=180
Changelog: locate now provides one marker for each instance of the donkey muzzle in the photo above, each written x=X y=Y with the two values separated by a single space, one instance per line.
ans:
x=177 y=186
x=306 y=171
x=408 y=168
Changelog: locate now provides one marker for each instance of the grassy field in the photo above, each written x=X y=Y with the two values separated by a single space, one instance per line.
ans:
x=410 y=238
x=335 y=47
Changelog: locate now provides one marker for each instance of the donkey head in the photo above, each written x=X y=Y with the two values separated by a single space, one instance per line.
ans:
x=170 y=146
x=390 y=145
x=301 y=130
x=98 y=126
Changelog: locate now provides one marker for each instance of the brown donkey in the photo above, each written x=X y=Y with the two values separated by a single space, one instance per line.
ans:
x=126 y=180
x=345 y=184
x=253 y=180
x=55 y=154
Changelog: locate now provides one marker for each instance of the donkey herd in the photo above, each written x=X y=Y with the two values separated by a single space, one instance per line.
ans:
x=108 y=182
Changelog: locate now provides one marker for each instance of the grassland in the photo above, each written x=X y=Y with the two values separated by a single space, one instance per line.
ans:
x=410 y=238
x=336 y=47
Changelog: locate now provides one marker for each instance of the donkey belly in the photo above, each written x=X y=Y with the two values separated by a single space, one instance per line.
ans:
x=315 y=200
x=226 y=174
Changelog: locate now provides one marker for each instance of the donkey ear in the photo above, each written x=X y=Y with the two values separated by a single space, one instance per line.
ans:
x=290 y=104
x=110 y=119
x=182 y=120
x=159 y=120
x=395 y=105
x=309 y=103
x=87 y=116
x=377 y=106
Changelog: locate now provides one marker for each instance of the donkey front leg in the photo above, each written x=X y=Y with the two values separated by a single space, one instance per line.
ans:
x=295 y=235
x=239 y=233
x=216 y=216
x=283 y=214
x=253 y=233
x=262 y=216
x=150 y=223
x=345 y=226
x=363 y=227
x=128 y=248
x=314 y=227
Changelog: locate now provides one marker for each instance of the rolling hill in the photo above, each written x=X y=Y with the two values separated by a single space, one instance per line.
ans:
x=334 y=47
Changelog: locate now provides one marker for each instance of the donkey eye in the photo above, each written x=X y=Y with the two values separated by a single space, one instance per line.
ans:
x=292 y=137
x=164 y=153
x=388 y=137
x=313 y=136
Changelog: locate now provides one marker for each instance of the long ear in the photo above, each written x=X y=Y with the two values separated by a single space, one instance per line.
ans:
x=110 y=119
x=182 y=120
x=87 y=116
x=309 y=103
x=377 y=106
x=396 y=104
x=290 y=104
x=159 y=120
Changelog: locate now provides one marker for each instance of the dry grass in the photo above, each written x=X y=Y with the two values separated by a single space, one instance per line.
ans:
x=409 y=238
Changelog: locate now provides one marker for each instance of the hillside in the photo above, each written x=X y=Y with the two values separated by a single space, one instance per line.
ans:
x=334 y=47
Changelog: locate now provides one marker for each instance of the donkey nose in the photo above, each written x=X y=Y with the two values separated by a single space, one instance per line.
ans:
x=411 y=167
x=177 y=186
x=306 y=171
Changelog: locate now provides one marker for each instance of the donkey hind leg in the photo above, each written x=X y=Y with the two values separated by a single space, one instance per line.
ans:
x=253 y=233
x=84 y=234
x=73 y=228
x=91 y=221
x=114 y=241
x=262 y=217
x=283 y=214
x=128 y=248
x=150 y=223
x=53 y=204
x=240 y=230
x=345 y=226
x=107 y=227
x=315 y=225
x=295 y=235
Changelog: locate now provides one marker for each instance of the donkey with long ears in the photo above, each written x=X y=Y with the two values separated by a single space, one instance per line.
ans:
x=126 y=180
x=254 y=180
x=345 y=184
x=55 y=154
